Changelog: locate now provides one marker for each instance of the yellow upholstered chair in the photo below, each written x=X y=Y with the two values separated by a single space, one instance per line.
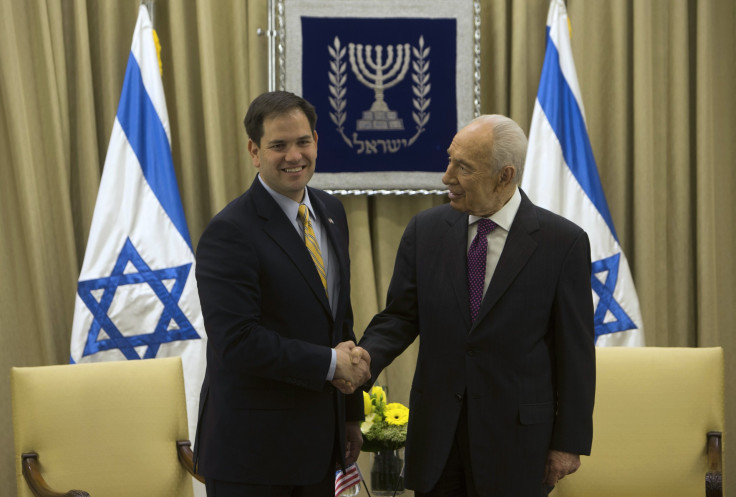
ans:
x=109 y=429
x=654 y=410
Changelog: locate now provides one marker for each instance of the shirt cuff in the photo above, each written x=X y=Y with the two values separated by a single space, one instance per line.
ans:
x=333 y=365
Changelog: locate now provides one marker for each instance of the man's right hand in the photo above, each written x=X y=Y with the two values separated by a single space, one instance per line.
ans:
x=353 y=367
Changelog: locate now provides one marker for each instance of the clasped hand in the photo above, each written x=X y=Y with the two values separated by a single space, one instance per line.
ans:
x=353 y=367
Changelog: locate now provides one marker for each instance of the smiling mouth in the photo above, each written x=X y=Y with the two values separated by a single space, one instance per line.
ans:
x=293 y=169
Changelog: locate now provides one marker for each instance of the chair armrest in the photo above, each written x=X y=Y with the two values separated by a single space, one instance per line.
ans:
x=714 y=476
x=184 y=451
x=35 y=481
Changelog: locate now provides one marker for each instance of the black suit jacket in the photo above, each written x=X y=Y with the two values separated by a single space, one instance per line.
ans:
x=267 y=415
x=525 y=367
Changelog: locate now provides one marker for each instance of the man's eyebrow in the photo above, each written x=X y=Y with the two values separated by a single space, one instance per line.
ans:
x=279 y=141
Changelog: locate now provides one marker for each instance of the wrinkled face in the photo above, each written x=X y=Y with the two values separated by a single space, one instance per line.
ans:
x=474 y=187
x=286 y=155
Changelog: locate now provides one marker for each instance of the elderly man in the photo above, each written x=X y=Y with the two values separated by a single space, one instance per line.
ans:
x=499 y=291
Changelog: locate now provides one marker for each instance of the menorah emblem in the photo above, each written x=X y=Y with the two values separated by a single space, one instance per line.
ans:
x=379 y=76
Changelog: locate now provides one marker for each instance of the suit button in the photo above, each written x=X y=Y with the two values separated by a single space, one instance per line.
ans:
x=459 y=397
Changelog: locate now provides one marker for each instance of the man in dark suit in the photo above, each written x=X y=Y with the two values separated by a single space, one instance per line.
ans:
x=499 y=292
x=273 y=275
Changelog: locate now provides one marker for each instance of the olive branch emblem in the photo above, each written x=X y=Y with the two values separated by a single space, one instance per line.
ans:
x=421 y=88
x=338 y=77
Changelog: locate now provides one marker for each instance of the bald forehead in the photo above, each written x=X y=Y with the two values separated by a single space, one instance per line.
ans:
x=480 y=128
x=472 y=146
x=478 y=134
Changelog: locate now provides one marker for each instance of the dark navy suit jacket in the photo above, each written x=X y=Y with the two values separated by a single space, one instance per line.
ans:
x=267 y=414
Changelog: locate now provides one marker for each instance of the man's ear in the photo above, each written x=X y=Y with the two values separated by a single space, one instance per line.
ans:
x=254 y=153
x=508 y=173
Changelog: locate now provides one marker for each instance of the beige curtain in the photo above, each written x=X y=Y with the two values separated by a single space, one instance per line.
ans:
x=656 y=78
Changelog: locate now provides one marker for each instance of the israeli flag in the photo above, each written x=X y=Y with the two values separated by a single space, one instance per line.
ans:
x=560 y=174
x=137 y=296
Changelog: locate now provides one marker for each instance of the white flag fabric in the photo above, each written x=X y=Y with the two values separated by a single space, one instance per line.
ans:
x=560 y=174
x=137 y=296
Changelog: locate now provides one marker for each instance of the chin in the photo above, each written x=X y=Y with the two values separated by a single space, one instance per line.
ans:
x=458 y=206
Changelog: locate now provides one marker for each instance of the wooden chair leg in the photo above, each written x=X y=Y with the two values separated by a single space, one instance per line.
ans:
x=714 y=476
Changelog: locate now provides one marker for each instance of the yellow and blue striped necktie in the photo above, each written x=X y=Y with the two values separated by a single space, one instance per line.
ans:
x=310 y=240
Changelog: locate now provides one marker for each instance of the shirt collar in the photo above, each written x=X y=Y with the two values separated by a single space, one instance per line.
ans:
x=505 y=216
x=289 y=206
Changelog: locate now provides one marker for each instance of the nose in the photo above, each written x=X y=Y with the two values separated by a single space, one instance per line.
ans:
x=449 y=177
x=293 y=154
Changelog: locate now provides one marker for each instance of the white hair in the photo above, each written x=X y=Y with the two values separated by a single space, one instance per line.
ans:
x=509 y=144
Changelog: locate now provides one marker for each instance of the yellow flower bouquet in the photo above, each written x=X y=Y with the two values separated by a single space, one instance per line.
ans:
x=385 y=423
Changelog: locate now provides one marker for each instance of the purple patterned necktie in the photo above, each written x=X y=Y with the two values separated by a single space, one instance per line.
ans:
x=477 y=265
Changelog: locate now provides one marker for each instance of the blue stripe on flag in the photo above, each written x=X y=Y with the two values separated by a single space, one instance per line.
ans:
x=147 y=137
x=564 y=115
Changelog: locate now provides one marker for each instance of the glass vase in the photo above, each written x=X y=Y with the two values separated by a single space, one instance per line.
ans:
x=352 y=491
x=387 y=472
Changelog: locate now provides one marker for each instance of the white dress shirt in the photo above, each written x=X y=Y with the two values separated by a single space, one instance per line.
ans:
x=496 y=238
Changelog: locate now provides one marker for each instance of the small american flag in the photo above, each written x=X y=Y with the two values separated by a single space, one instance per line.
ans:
x=343 y=481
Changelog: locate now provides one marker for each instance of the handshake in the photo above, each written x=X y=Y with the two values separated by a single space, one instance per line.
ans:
x=353 y=367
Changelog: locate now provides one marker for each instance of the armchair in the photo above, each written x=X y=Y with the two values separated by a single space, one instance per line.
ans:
x=657 y=425
x=106 y=429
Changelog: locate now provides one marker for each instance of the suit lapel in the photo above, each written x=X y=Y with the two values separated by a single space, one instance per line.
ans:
x=516 y=252
x=339 y=253
x=282 y=232
x=454 y=246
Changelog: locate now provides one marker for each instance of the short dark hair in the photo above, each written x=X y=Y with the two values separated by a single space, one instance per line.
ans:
x=274 y=103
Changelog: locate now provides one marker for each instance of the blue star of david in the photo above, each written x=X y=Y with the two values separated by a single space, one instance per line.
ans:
x=606 y=301
x=154 y=278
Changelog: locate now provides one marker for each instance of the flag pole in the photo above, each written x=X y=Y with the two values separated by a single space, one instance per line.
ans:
x=150 y=5
x=271 y=45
